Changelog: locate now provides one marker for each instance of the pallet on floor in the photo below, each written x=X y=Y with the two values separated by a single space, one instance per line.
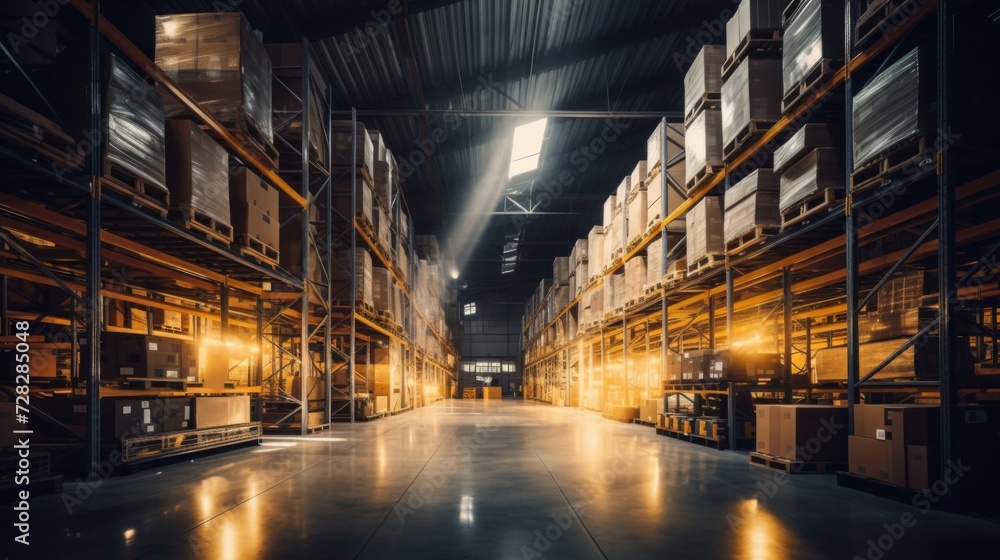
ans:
x=253 y=248
x=891 y=163
x=142 y=193
x=820 y=201
x=791 y=466
x=757 y=41
x=709 y=100
x=717 y=443
x=814 y=78
x=751 y=132
x=756 y=236
x=704 y=263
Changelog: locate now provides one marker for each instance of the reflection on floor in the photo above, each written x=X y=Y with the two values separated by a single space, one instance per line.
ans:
x=474 y=479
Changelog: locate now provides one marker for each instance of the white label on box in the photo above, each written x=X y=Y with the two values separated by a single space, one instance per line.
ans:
x=975 y=416
x=192 y=379
x=172 y=374
x=126 y=371
x=187 y=412
x=880 y=435
x=125 y=410
x=147 y=416
x=153 y=346
x=79 y=408
x=145 y=404
x=150 y=428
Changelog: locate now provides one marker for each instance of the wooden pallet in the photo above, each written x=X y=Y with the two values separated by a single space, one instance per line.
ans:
x=674 y=277
x=24 y=127
x=791 y=466
x=634 y=302
x=820 y=201
x=890 y=164
x=150 y=196
x=701 y=177
x=753 y=237
x=815 y=76
x=251 y=137
x=709 y=100
x=704 y=263
x=751 y=132
x=881 y=16
x=213 y=229
x=757 y=41
x=654 y=288
x=255 y=249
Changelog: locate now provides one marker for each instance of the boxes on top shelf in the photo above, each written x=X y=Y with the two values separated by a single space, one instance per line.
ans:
x=752 y=16
x=609 y=210
x=638 y=206
x=595 y=251
x=560 y=270
x=286 y=64
x=579 y=253
x=622 y=192
x=343 y=141
x=638 y=178
x=217 y=59
x=197 y=175
x=703 y=80
x=813 y=44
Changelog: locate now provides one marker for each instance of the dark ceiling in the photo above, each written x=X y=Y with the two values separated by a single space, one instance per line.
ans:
x=606 y=56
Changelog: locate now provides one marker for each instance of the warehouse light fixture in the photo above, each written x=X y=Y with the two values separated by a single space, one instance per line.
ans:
x=526 y=151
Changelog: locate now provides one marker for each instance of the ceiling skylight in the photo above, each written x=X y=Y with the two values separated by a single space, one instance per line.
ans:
x=526 y=152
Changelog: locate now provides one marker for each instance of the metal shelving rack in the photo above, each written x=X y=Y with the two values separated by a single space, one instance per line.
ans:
x=814 y=305
x=293 y=316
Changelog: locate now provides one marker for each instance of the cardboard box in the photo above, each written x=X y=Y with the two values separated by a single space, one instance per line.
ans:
x=769 y=429
x=868 y=457
x=215 y=412
x=813 y=433
x=254 y=208
x=923 y=465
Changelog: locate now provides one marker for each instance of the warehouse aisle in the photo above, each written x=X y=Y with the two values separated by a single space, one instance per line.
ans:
x=475 y=479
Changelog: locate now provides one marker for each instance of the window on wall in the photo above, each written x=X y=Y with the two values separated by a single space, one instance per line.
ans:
x=469 y=309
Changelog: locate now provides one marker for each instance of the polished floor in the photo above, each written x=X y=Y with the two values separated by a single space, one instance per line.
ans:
x=497 y=479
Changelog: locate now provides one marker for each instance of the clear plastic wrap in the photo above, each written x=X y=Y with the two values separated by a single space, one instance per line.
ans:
x=758 y=209
x=381 y=289
x=637 y=208
x=219 y=61
x=705 y=229
x=703 y=143
x=704 y=76
x=136 y=135
x=814 y=33
x=198 y=172
x=342 y=140
x=806 y=139
x=654 y=262
x=920 y=361
x=560 y=270
x=635 y=278
x=751 y=94
x=893 y=107
x=822 y=168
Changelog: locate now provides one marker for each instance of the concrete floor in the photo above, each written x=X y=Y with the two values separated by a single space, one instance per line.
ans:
x=471 y=479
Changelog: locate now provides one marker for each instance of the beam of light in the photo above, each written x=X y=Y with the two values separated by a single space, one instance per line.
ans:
x=483 y=199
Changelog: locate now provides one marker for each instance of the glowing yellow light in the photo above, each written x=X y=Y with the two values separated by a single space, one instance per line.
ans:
x=129 y=534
